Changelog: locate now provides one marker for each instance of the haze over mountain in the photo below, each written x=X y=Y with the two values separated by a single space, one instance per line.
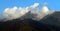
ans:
x=48 y=23
x=29 y=19
x=17 y=12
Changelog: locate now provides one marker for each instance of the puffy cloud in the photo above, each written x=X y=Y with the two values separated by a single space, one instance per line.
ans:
x=35 y=5
x=43 y=12
x=29 y=12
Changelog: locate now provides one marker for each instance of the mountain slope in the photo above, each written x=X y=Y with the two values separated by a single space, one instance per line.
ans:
x=48 y=23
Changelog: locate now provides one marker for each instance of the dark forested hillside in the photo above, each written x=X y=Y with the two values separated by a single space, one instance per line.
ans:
x=48 y=23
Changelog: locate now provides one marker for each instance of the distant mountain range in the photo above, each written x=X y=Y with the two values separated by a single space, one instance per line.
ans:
x=48 y=23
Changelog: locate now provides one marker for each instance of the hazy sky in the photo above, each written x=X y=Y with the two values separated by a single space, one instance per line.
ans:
x=52 y=4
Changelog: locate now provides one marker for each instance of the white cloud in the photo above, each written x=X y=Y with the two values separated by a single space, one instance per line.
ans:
x=18 y=12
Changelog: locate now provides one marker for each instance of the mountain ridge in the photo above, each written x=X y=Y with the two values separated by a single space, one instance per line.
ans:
x=32 y=25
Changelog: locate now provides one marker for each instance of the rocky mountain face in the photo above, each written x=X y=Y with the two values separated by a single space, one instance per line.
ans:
x=48 y=23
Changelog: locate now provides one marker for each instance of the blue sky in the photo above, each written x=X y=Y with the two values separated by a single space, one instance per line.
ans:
x=52 y=4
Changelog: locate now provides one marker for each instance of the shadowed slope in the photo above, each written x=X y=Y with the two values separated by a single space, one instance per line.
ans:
x=50 y=23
